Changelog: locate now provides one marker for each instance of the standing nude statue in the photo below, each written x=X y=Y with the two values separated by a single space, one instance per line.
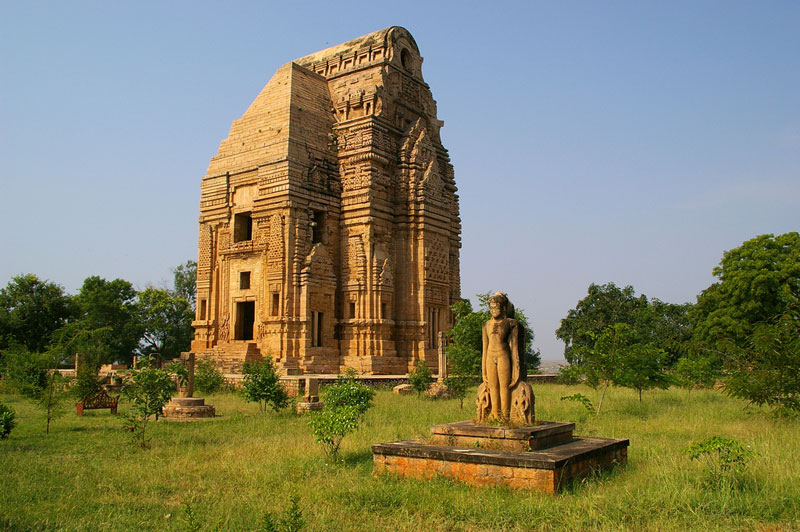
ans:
x=504 y=395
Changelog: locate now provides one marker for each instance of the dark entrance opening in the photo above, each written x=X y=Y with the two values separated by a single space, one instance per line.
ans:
x=245 y=318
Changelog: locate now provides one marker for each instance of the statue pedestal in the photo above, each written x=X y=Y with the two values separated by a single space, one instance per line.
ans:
x=542 y=457
x=187 y=409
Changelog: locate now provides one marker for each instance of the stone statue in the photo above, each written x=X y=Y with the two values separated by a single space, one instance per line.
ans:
x=504 y=395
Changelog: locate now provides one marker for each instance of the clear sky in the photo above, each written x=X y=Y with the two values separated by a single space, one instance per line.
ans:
x=631 y=142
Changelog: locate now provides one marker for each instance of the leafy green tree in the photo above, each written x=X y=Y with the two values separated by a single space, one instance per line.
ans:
x=261 y=384
x=758 y=281
x=600 y=362
x=466 y=339
x=767 y=370
x=185 y=282
x=31 y=310
x=642 y=368
x=457 y=386
x=52 y=396
x=148 y=389
x=617 y=357
x=666 y=325
x=166 y=319
x=420 y=377
x=603 y=306
x=346 y=402
x=695 y=370
x=109 y=306
x=24 y=371
x=207 y=378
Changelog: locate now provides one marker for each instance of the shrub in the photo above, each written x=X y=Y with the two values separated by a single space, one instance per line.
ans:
x=86 y=383
x=148 y=389
x=583 y=400
x=457 y=386
x=25 y=371
x=420 y=377
x=346 y=402
x=7 y=422
x=262 y=385
x=292 y=521
x=725 y=459
x=207 y=378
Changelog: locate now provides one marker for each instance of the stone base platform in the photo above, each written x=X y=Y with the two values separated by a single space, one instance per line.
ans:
x=467 y=434
x=304 y=406
x=187 y=409
x=546 y=469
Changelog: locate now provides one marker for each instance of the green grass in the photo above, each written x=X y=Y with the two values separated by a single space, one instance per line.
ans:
x=86 y=475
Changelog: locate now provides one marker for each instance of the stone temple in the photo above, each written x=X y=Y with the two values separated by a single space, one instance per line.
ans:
x=329 y=219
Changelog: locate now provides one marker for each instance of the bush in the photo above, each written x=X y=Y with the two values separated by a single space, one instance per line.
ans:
x=262 y=385
x=420 y=377
x=148 y=389
x=207 y=378
x=6 y=420
x=725 y=459
x=87 y=384
x=25 y=371
x=457 y=386
x=292 y=521
x=346 y=402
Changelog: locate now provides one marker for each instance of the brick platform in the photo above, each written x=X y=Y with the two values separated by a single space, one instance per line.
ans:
x=547 y=470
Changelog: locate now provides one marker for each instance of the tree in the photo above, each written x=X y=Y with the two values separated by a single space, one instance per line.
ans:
x=185 y=282
x=109 y=304
x=618 y=357
x=148 y=389
x=51 y=397
x=166 y=320
x=345 y=402
x=758 y=281
x=207 y=378
x=666 y=325
x=695 y=370
x=767 y=370
x=31 y=310
x=23 y=370
x=420 y=377
x=262 y=385
x=603 y=306
x=642 y=368
x=466 y=339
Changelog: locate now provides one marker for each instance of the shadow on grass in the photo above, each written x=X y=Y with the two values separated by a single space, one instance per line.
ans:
x=361 y=458
x=595 y=476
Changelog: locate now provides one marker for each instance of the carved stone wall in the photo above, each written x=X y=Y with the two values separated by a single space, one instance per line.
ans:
x=329 y=218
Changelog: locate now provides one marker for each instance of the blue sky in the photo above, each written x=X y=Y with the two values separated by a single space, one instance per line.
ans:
x=631 y=142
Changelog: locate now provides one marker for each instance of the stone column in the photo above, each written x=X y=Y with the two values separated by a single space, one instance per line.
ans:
x=442 y=356
x=188 y=389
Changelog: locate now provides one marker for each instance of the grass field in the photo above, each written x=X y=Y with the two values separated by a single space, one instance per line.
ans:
x=87 y=476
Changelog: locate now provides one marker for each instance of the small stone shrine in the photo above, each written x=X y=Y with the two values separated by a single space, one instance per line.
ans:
x=505 y=445
x=186 y=407
x=310 y=396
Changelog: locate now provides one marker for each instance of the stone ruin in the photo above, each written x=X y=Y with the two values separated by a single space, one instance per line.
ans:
x=329 y=219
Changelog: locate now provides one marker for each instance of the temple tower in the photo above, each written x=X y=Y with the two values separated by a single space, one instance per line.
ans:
x=329 y=227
